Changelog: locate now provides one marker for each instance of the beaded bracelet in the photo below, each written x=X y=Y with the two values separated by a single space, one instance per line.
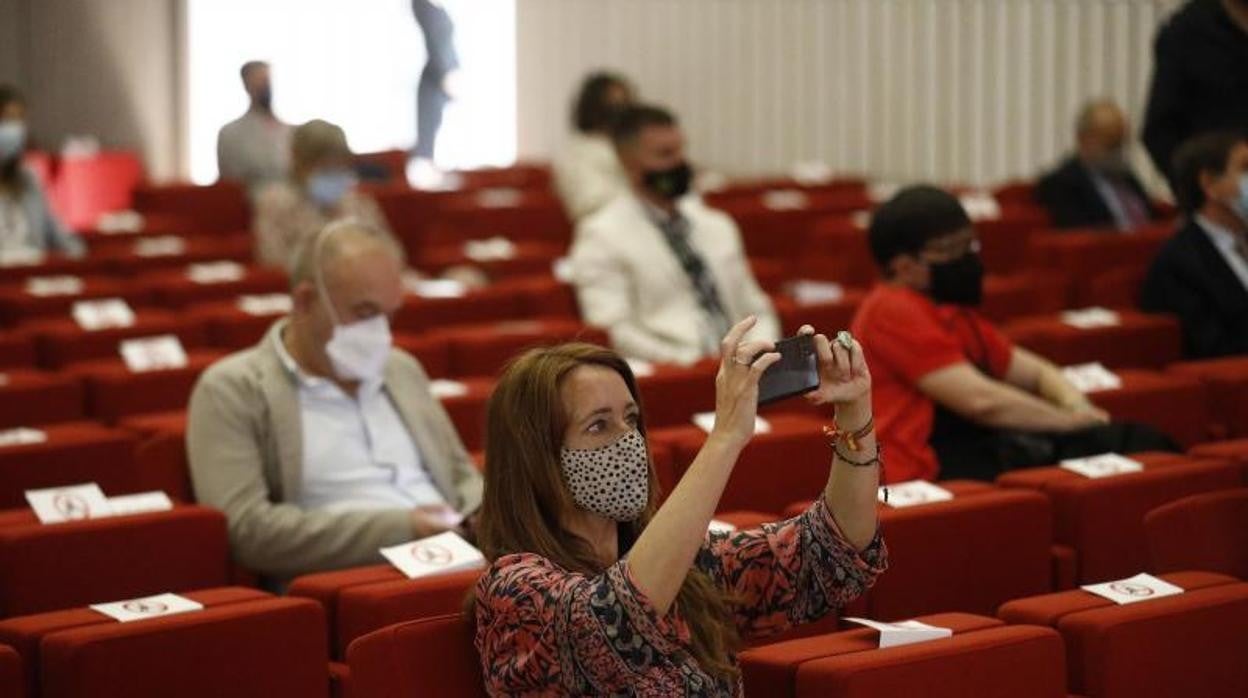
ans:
x=874 y=460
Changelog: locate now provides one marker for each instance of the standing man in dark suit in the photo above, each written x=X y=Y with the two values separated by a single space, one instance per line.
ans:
x=439 y=84
x=1095 y=187
x=1201 y=275
x=1200 y=77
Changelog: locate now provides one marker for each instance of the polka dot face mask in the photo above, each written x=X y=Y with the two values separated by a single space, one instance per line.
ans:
x=612 y=480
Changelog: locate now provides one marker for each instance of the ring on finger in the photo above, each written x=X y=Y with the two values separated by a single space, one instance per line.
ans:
x=738 y=360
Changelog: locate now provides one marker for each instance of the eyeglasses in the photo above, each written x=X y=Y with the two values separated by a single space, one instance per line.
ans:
x=952 y=247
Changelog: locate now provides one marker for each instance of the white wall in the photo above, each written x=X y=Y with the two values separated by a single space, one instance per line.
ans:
x=975 y=91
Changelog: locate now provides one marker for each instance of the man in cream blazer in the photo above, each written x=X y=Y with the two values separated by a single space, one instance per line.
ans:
x=662 y=273
x=323 y=444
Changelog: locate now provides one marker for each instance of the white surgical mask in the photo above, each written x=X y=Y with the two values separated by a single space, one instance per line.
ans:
x=12 y=139
x=358 y=350
x=612 y=480
x=1239 y=204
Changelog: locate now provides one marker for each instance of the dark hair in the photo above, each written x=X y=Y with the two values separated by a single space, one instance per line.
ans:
x=249 y=67
x=1207 y=152
x=912 y=218
x=11 y=171
x=590 y=110
x=637 y=118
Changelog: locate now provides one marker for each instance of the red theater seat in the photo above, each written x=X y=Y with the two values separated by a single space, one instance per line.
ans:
x=433 y=654
x=545 y=296
x=1103 y=519
x=368 y=607
x=1085 y=254
x=1173 y=404
x=789 y=463
x=491 y=304
x=839 y=252
x=11 y=682
x=47 y=567
x=467 y=411
x=268 y=648
x=128 y=259
x=89 y=186
x=1202 y=532
x=1226 y=381
x=173 y=288
x=228 y=326
x=18 y=304
x=73 y=453
x=530 y=259
x=517 y=216
x=1140 y=341
x=523 y=175
x=482 y=350
x=1191 y=644
x=35 y=397
x=672 y=394
x=162 y=449
x=326 y=587
x=772 y=669
x=26 y=633
x=113 y=391
x=62 y=341
x=1005 y=241
x=433 y=353
x=1028 y=293
x=216 y=208
x=1235 y=451
x=17 y=349
x=827 y=318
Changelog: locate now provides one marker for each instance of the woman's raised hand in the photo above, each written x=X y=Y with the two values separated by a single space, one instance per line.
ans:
x=741 y=364
x=844 y=379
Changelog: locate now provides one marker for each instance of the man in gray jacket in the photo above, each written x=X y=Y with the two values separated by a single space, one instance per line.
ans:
x=323 y=443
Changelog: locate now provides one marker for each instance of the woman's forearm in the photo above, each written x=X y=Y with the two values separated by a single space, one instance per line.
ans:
x=851 y=490
x=1054 y=388
x=663 y=554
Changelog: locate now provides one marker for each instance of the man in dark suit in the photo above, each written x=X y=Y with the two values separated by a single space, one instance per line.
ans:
x=1095 y=188
x=1201 y=275
x=1200 y=77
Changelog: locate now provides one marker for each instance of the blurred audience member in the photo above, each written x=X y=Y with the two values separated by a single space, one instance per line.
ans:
x=323 y=443
x=588 y=174
x=1201 y=275
x=664 y=275
x=27 y=225
x=255 y=148
x=1095 y=187
x=439 y=84
x=954 y=397
x=321 y=187
x=1200 y=77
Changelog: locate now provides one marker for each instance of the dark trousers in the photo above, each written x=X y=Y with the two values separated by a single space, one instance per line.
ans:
x=430 y=102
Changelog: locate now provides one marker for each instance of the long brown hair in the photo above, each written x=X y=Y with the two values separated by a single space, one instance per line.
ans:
x=525 y=492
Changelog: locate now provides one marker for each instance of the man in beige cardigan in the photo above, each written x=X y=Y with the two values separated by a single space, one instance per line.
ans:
x=323 y=443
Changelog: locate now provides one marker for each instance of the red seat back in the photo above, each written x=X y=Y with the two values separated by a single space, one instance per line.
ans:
x=433 y=655
x=1202 y=532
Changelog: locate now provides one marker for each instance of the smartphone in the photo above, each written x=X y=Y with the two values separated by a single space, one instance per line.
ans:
x=796 y=373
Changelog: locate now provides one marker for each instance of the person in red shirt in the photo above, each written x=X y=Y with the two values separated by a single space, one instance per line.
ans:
x=954 y=398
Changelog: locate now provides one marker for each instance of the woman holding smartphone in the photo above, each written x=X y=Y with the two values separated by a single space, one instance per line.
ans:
x=595 y=589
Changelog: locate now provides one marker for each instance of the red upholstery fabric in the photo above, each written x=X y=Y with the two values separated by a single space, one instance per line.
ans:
x=270 y=648
x=226 y=325
x=55 y=265
x=467 y=411
x=162 y=451
x=17 y=349
x=522 y=175
x=788 y=233
x=771 y=670
x=202 y=248
x=92 y=185
x=216 y=208
x=838 y=251
x=1235 y=451
x=790 y=462
x=114 y=392
x=1175 y=405
x=482 y=350
x=11 y=682
x=545 y=296
x=18 y=305
x=534 y=216
x=827 y=318
x=1028 y=293
x=34 y=397
x=1190 y=644
x=73 y=452
x=25 y=633
x=172 y=288
x=1065 y=567
x=1114 y=288
x=433 y=353
x=409 y=212
x=1227 y=383
x=1140 y=341
x=1202 y=532
x=1005 y=242
x=367 y=607
x=411 y=658
x=480 y=306
x=1011 y=662
x=972 y=553
x=671 y=394
x=62 y=341
x=326 y=587
x=531 y=258
x=1103 y=519
x=46 y=567
x=1086 y=254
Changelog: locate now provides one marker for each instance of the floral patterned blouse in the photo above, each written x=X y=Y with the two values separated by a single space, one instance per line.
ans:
x=542 y=630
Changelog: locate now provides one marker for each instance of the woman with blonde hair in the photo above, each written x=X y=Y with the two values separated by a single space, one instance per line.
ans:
x=594 y=588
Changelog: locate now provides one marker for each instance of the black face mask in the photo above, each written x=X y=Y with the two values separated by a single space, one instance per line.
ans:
x=671 y=183
x=959 y=281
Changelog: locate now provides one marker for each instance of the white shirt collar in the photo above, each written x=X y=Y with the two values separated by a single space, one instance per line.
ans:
x=1222 y=237
x=305 y=379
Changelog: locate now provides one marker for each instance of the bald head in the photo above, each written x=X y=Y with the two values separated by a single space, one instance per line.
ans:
x=342 y=239
x=1102 y=132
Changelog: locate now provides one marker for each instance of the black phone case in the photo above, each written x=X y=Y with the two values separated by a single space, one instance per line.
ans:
x=796 y=373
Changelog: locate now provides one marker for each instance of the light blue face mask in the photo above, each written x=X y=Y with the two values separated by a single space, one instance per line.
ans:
x=328 y=187
x=12 y=139
x=1240 y=203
